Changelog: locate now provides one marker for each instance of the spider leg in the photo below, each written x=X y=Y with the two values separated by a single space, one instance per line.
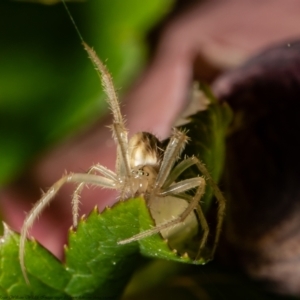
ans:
x=122 y=161
x=48 y=196
x=203 y=224
x=175 y=146
x=220 y=199
x=205 y=229
x=182 y=166
x=120 y=133
x=76 y=195
x=179 y=187
x=107 y=84
x=177 y=171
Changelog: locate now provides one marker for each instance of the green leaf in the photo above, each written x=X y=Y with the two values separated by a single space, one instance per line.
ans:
x=95 y=263
x=49 y=276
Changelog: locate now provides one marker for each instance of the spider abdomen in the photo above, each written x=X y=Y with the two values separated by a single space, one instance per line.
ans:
x=144 y=149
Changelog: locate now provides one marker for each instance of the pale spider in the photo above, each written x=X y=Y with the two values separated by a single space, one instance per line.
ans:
x=142 y=169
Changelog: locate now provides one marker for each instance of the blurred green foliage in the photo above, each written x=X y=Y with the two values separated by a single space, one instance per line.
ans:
x=48 y=87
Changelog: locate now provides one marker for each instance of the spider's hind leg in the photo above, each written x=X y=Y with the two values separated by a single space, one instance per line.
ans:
x=220 y=199
x=180 y=168
x=205 y=228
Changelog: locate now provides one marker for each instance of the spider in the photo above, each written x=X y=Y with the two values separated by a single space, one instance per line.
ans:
x=142 y=169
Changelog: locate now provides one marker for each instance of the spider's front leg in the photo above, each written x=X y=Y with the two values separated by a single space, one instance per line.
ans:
x=76 y=195
x=49 y=195
x=120 y=133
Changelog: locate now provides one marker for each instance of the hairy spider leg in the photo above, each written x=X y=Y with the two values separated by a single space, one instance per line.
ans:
x=203 y=223
x=49 y=195
x=220 y=199
x=76 y=195
x=182 y=166
x=120 y=133
x=175 y=173
x=174 y=148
